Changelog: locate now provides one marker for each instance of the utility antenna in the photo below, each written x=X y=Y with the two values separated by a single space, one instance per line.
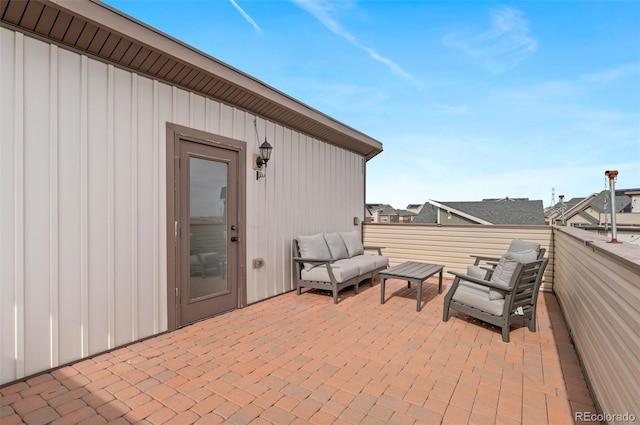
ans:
x=553 y=196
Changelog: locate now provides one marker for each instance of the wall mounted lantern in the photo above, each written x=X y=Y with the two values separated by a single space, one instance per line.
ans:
x=263 y=158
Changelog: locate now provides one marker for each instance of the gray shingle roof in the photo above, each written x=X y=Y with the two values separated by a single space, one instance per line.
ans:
x=495 y=212
x=405 y=213
x=428 y=214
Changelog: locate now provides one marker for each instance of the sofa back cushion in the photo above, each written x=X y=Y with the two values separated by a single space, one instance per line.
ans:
x=353 y=243
x=336 y=245
x=313 y=246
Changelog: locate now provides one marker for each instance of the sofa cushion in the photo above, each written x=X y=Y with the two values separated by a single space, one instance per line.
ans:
x=313 y=246
x=343 y=270
x=506 y=267
x=476 y=296
x=365 y=263
x=336 y=245
x=353 y=243
x=381 y=261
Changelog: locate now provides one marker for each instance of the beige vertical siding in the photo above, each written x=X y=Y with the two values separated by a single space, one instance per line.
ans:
x=452 y=245
x=310 y=187
x=598 y=287
x=83 y=205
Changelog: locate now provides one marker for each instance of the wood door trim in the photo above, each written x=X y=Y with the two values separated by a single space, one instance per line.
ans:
x=176 y=133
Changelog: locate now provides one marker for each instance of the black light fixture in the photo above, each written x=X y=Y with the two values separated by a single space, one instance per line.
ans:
x=265 y=155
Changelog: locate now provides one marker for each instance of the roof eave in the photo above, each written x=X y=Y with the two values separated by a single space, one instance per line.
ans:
x=232 y=86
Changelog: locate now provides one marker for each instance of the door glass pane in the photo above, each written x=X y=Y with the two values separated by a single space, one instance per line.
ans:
x=207 y=228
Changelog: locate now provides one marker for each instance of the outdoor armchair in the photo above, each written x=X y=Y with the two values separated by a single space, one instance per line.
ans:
x=483 y=266
x=510 y=295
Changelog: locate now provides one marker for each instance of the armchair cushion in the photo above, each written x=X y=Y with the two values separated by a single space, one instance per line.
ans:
x=519 y=246
x=353 y=243
x=505 y=268
x=476 y=295
x=314 y=246
x=477 y=272
x=336 y=246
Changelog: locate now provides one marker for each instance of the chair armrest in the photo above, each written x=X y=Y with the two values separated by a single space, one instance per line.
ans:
x=482 y=282
x=374 y=248
x=479 y=258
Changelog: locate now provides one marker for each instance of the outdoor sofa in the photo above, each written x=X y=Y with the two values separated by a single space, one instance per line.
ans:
x=334 y=261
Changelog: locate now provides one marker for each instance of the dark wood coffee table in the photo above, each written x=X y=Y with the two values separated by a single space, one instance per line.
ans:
x=411 y=271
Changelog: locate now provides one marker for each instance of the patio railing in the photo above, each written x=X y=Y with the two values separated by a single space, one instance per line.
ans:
x=597 y=285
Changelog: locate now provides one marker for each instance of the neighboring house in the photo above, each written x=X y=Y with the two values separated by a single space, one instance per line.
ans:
x=593 y=213
x=131 y=198
x=368 y=211
x=385 y=214
x=415 y=208
x=590 y=210
x=488 y=212
x=406 y=216
x=555 y=213
x=368 y=218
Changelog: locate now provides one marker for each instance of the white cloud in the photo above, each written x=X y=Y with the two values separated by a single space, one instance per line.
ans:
x=613 y=74
x=502 y=46
x=322 y=10
x=246 y=16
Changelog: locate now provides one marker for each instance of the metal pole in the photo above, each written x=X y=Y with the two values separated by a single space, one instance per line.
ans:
x=614 y=231
x=562 y=209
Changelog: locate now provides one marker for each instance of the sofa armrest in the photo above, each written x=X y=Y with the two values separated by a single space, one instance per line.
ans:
x=312 y=260
x=374 y=248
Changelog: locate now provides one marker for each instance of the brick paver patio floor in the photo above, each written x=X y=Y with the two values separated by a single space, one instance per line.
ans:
x=302 y=359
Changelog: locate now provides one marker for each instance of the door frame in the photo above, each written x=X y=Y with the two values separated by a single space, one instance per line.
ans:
x=176 y=133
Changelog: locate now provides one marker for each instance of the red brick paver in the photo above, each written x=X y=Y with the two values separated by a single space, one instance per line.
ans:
x=302 y=359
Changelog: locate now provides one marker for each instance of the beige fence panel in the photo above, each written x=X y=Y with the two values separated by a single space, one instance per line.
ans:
x=452 y=245
x=598 y=287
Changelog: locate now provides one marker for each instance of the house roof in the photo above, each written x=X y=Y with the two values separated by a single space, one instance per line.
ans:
x=601 y=202
x=405 y=213
x=373 y=207
x=387 y=210
x=507 y=211
x=428 y=214
x=100 y=31
x=556 y=210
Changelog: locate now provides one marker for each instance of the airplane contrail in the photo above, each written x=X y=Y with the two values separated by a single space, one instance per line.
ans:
x=246 y=16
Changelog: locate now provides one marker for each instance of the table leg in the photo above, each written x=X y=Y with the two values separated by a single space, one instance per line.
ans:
x=419 y=296
x=440 y=283
x=382 y=280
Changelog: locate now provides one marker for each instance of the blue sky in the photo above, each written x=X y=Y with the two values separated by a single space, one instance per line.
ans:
x=471 y=100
